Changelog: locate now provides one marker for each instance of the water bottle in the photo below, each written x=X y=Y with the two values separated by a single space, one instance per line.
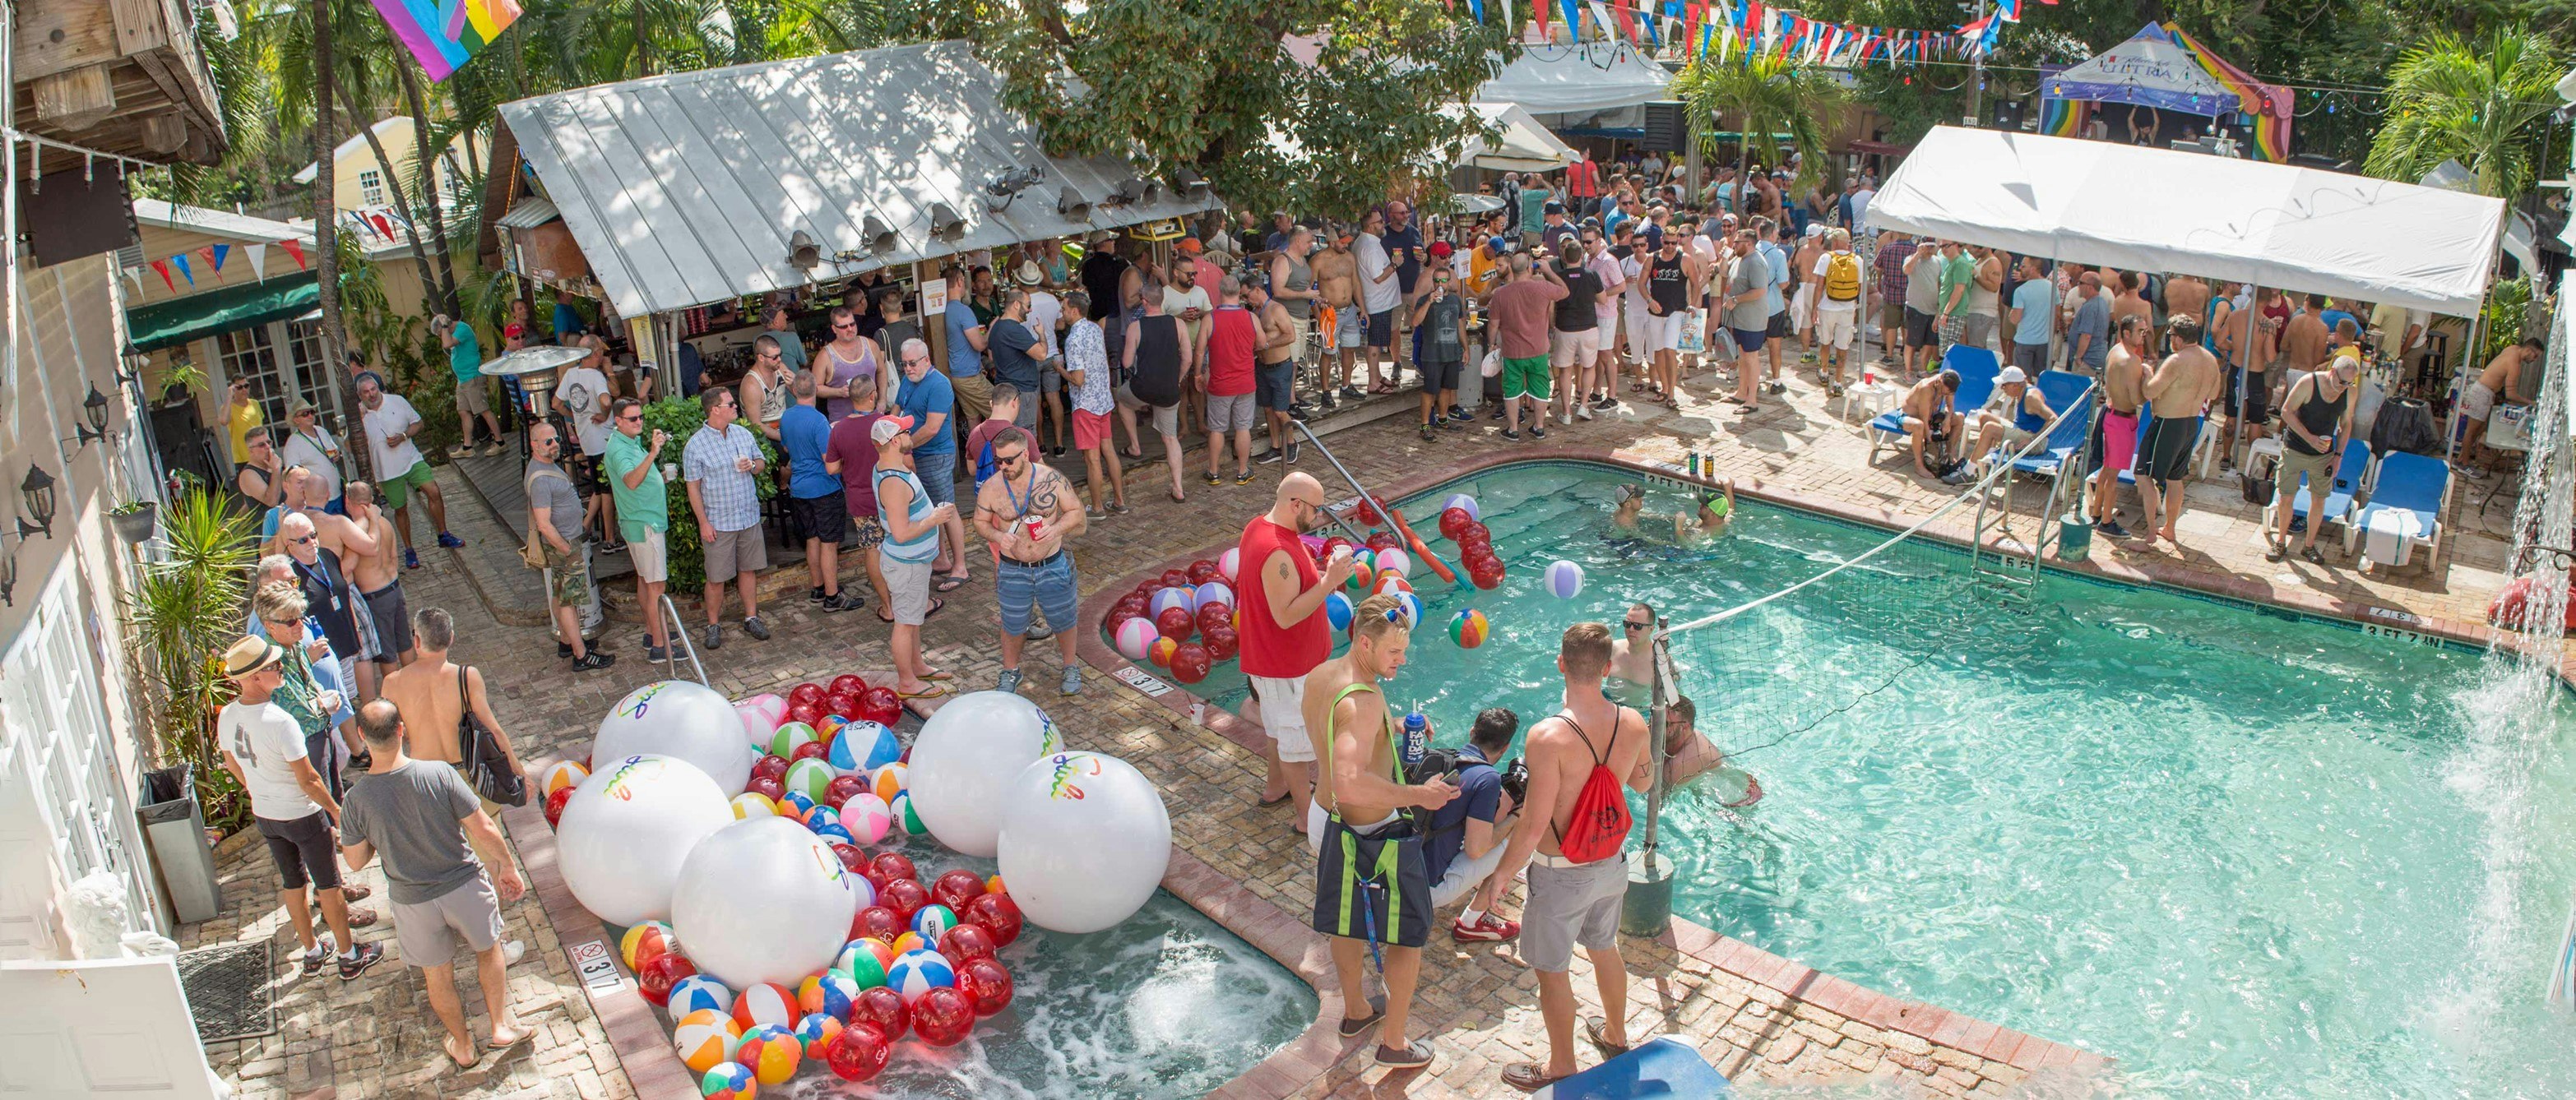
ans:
x=1417 y=739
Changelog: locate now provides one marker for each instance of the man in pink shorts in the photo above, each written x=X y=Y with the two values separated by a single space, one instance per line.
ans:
x=1086 y=369
x=2115 y=442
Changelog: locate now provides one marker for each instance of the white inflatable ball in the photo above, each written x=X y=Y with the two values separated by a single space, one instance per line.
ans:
x=964 y=760
x=682 y=719
x=767 y=901
x=1085 y=840
x=628 y=827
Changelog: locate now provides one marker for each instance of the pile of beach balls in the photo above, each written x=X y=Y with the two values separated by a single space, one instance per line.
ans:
x=829 y=761
x=1461 y=523
x=1156 y=622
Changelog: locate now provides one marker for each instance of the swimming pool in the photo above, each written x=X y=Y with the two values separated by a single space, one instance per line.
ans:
x=2243 y=852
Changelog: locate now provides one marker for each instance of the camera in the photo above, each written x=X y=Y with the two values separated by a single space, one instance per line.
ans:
x=1516 y=781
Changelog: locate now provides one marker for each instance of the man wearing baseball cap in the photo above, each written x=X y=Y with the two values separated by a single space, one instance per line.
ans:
x=263 y=748
x=912 y=521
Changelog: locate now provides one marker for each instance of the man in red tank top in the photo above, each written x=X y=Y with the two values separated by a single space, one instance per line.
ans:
x=1568 y=902
x=1280 y=591
x=1226 y=344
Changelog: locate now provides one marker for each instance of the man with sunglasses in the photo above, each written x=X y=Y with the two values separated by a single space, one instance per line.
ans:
x=643 y=513
x=1285 y=633
x=1026 y=510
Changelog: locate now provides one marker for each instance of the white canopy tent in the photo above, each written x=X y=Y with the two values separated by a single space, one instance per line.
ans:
x=2272 y=225
x=1595 y=76
x=1522 y=145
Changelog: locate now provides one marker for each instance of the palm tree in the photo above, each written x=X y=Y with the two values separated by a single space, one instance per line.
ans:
x=1763 y=95
x=2485 y=106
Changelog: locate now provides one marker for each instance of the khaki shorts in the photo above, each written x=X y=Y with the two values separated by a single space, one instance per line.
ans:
x=473 y=397
x=651 y=555
x=427 y=931
x=907 y=589
x=974 y=399
x=733 y=553
x=1574 y=349
x=1167 y=418
x=1568 y=906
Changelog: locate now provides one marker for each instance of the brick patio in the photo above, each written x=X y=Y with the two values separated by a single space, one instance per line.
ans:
x=1750 y=1012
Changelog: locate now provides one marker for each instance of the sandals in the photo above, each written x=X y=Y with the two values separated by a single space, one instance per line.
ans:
x=1177 y=498
x=948 y=583
x=2310 y=554
x=932 y=691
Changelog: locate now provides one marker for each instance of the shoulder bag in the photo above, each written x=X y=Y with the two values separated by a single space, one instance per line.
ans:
x=486 y=767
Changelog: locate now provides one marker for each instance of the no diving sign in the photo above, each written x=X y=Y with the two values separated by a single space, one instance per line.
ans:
x=598 y=968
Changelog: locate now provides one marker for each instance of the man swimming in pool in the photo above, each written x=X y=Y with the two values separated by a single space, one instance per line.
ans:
x=1697 y=525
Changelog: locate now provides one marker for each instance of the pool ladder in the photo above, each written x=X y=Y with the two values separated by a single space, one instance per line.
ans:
x=2014 y=573
x=1365 y=496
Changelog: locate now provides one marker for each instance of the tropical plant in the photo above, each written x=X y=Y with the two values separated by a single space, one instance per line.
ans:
x=178 y=621
x=1760 y=96
x=2485 y=105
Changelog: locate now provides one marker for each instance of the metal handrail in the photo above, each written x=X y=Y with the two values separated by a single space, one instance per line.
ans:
x=676 y=638
x=1365 y=496
x=1984 y=490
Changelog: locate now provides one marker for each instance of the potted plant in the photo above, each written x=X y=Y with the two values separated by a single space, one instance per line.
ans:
x=135 y=520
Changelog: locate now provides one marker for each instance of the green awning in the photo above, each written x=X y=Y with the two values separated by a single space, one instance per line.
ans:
x=165 y=324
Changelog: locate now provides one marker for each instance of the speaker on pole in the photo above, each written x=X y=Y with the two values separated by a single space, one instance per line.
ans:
x=1667 y=127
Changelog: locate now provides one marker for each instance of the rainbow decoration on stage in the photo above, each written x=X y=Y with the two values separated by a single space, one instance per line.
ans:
x=2266 y=107
x=443 y=34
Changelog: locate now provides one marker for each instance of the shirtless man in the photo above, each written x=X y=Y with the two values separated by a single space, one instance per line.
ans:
x=2131 y=302
x=377 y=576
x=1710 y=518
x=2124 y=390
x=432 y=706
x=2305 y=339
x=1632 y=659
x=1274 y=370
x=2498 y=384
x=1359 y=794
x=1934 y=425
x=1568 y=902
x=1337 y=277
x=2186 y=294
x=2179 y=393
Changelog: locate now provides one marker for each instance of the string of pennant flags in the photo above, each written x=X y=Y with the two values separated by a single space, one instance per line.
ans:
x=184 y=266
x=1745 y=29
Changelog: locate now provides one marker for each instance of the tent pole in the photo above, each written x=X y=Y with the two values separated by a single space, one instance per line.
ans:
x=2244 y=372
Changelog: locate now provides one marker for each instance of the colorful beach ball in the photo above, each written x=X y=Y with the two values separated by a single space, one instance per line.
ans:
x=1213 y=592
x=1411 y=605
x=1363 y=570
x=821 y=817
x=560 y=775
x=1162 y=651
x=1467 y=628
x=1389 y=584
x=815 y=1033
x=866 y=817
x=833 y=833
x=1227 y=563
x=751 y=804
x=766 y=1003
x=1136 y=637
x=829 y=729
x=1564 y=579
x=794 y=803
x=1394 y=561
x=771 y=1052
x=700 y=991
x=1462 y=500
x=863 y=747
x=808 y=777
x=917 y=972
x=728 y=1081
x=865 y=962
x=705 y=1038
x=828 y=992
x=1338 y=611
x=901 y=810
x=784 y=743
x=645 y=940
x=933 y=920
x=890 y=780
x=910 y=942
x=1166 y=600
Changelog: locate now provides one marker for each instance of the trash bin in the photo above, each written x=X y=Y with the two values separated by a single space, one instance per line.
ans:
x=174 y=825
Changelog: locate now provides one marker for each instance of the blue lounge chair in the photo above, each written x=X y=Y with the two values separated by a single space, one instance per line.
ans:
x=1659 y=1067
x=2339 y=496
x=2062 y=391
x=2409 y=483
x=1977 y=370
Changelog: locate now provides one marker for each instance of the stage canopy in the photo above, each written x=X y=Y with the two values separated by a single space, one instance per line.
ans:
x=1520 y=145
x=2164 y=68
x=2300 y=229
x=1560 y=80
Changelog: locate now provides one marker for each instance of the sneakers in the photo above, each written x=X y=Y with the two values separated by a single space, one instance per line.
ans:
x=450 y=541
x=1072 y=683
x=1511 y=435
x=1563 y=419
x=814 y=594
x=315 y=960
x=492 y=449
x=1429 y=433
x=838 y=601
x=1009 y=683
x=758 y=630
x=461 y=450
x=1583 y=410
x=1244 y=478
x=1352 y=393
x=1960 y=476
x=1537 y=432
x=1459 y=412
x=1213 y=480
x=594 y=661
x=512 y=952
x=656 y=654
x=1487 y=929
x=1271 y=457
x=2111 y=529
x=1776 y=388
x=714 y=637
x=368 y=955
x=1039 y=632
x=1292 y=452
x=411 y=558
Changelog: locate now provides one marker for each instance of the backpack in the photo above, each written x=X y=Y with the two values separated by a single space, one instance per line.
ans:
x=1599 y=824
x=1842 y=277
x=1434 y=762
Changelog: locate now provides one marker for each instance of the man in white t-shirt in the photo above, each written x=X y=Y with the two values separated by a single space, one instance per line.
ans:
x=582 y=399
x=263 y=748
x=1046 y=313
x=391 y=423
x=1601 y=261
x=1380 y=293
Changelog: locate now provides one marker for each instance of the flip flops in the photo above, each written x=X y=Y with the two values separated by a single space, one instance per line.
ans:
x=948 y=583
x=932 y=691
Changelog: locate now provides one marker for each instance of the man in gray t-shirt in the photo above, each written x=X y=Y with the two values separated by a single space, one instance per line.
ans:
x=2089 y=334
x=416 y=813
x=554 y=512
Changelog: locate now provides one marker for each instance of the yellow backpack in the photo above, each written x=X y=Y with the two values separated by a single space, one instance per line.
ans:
x=1842 y=277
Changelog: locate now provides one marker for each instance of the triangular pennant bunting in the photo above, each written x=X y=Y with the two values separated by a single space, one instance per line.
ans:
x=296 y=250
x=258 y=256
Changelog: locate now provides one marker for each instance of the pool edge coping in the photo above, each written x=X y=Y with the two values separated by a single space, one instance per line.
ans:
x=1298 y=947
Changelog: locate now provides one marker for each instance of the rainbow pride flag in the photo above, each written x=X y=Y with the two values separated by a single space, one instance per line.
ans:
x=444 y=34
x=2265 y=106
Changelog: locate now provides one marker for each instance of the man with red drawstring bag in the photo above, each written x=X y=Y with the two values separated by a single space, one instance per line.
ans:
x=1582 y=762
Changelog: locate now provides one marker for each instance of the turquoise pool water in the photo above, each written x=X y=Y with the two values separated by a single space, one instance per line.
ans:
x=2244 y=854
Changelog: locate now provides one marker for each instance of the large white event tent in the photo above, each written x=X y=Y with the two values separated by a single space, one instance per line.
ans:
x=2141 y=209
x=1574 y=80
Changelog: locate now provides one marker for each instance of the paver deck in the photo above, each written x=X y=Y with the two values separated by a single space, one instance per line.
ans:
x=1751 y=1012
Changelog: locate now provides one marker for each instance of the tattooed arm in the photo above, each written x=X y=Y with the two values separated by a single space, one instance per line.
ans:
x=1054 y=498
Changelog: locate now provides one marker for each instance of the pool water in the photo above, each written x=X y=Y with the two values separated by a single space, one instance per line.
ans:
x=1167 y=1004
x=2242 y=853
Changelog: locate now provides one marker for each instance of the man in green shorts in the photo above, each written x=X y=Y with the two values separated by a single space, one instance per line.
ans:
x=1372 y=887
x=390 y=424
x=1518 y=312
